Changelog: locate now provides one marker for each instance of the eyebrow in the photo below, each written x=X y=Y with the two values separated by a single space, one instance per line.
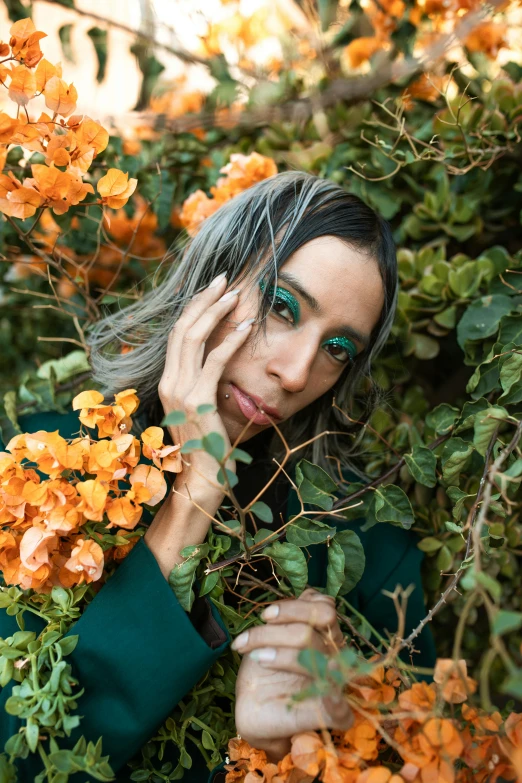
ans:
x=311 y=301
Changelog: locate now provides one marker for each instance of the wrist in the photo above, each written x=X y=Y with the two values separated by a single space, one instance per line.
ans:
x=177 y=524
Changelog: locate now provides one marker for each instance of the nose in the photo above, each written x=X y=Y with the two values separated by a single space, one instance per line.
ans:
x=291 y=360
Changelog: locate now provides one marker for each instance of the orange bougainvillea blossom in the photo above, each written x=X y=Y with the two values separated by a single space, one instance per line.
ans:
x=241 y=172
x=60 y=499
x=399 y=735
x=68 y=141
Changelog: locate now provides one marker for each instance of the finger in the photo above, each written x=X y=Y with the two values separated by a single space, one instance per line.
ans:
x=320 y=713
x=219 y=356
x=320 y=614
x=285 y=659
x=311 y=594
x=297 y=635
x=194 y=338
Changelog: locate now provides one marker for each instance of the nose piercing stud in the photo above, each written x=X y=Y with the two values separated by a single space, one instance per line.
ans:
x=227 y=396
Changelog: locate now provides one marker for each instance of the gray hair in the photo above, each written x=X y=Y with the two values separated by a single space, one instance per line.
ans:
x=254 y=234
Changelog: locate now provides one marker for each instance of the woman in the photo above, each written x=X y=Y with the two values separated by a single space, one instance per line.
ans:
x=316 y=270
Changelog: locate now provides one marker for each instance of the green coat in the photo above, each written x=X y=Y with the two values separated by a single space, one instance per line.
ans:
x=138 y=653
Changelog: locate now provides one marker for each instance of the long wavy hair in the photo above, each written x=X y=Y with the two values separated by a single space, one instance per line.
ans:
x=254 y=234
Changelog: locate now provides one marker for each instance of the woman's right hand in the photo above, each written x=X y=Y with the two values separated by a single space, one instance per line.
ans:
x=189 y=380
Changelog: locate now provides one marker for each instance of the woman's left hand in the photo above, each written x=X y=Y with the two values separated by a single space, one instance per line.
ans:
x=270 y=674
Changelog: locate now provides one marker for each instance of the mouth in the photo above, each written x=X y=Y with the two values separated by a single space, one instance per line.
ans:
x=253 y=407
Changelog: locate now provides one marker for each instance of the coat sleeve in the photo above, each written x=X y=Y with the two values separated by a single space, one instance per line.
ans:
x=137 y=656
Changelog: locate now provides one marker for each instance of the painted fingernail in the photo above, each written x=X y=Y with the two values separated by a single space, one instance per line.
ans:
x=270 y=613
x=245 y=324
x=264 y=654
x=241 y=641
x=229 y=295
x=217 y=280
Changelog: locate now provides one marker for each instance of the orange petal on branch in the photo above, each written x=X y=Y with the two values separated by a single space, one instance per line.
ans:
x=60 y=97
x=35 y=547
x=7 y=126
x=44 y=73
x=128 y=400
x=21 y=203
x=23 y=85
x=122 y=512
x=152 y=479
x=92 y=134
x=86 y=559
x=87 y=399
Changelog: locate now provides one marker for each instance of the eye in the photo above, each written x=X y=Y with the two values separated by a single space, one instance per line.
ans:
x=285 y=305
x=341 y=349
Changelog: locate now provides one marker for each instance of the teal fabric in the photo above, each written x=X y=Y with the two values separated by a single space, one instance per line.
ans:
x=139 y=654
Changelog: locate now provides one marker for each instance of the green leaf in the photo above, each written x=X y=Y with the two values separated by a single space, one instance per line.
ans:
x=262 y=512
x=205 y=408
x=241 y=456
x=306 y=532
x=174 y=418
x=208 y=583
x=315 y=485
x=455 y=454
x=98 y=37
x=429 y=544
x=493 y=587
x=65 y=39
x=214 y=444
x=393 y=505
x=510 y=330
x=452 y=527
x=335 y=568
x=31 y=734
x=505 y=621
x=354 y=558
x=207 y=741
x=422 y=464
x=485 y=426
x=442 y=418
x=182 y=576
x=482 y=318
x=470 y=411
x=457 y=496
x=68 y=644
x=191 y=445
x=231 y=477
x=510 y=379
x=291 y=562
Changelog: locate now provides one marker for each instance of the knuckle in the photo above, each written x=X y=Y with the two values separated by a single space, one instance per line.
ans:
x=305 y=635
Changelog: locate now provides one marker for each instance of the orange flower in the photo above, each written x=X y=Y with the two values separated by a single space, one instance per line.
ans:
x=453 y=676
x=60 y=97
x=116 y=188
x=36 y=546
x=86 y=561
x=152 y=479
x=154 y=450
x=373 y=688
x=360 y=50
x=110 y=419
x=419 y=700
x=379 y=775
x=196 y=208
x=488 y=37
x=94 y=497
x=25 y=42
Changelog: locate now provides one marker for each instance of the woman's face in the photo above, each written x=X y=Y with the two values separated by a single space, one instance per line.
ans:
x=329 y=298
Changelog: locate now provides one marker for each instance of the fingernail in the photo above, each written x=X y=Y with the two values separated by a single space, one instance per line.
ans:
x=263 y=655
x=229 y=295
x=241 y=641
x=270 y=613
x=217 y=280
x=245 y=324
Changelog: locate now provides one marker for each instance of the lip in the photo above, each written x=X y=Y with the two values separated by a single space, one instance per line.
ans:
x=249 y=404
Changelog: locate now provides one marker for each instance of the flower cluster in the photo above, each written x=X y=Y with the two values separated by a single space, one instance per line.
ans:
x=397 y=736
x=241 y=172
x=68 y=142
x=62 y=500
